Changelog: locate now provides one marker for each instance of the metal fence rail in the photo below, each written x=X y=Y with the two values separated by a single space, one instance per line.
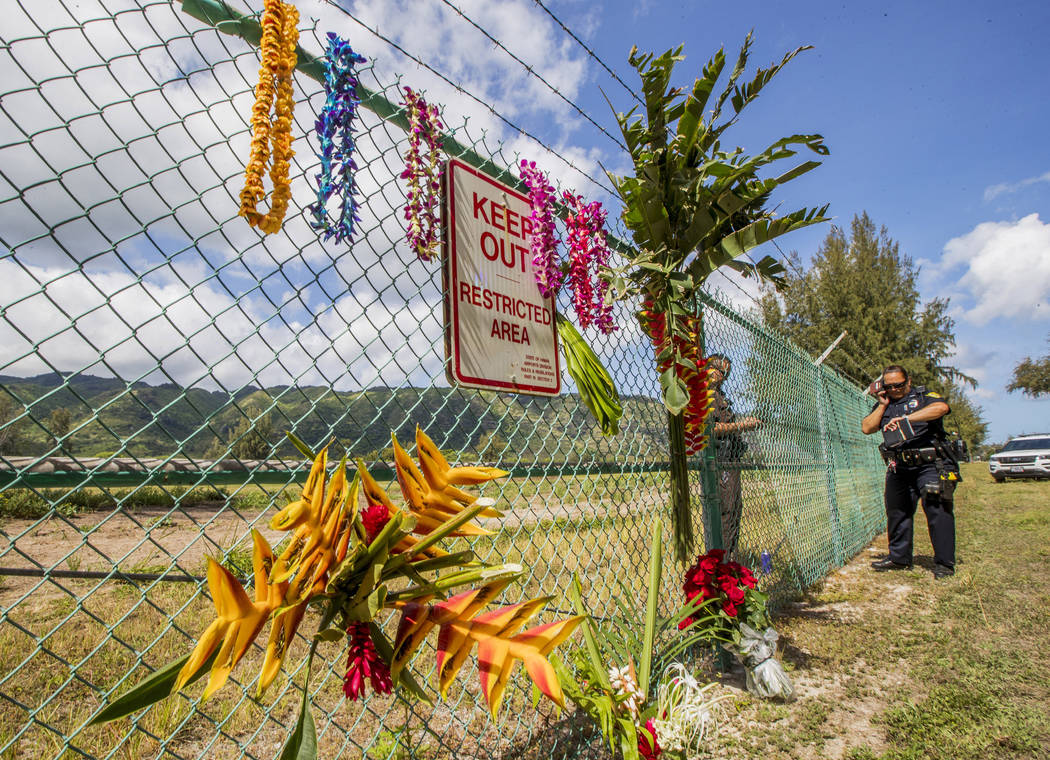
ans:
x=154 y=348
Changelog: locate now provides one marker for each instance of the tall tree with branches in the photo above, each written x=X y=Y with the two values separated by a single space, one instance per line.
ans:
x=1031 y=377
x=693 y=206
x=861 y=282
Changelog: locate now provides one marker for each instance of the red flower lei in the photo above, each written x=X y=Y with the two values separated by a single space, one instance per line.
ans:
x=701 y=396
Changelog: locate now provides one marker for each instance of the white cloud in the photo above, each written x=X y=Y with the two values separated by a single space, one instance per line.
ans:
x=203 y=335
x=980 y=363
x=994 y=191
x=1007 y=270
x=127 y=255
x=741 y=293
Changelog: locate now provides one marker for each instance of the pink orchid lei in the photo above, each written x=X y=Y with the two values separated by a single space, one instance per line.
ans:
x=423 y=175
x=544 y=243
x=588 y=253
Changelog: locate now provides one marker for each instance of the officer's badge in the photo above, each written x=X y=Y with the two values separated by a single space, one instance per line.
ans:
x=912 y=404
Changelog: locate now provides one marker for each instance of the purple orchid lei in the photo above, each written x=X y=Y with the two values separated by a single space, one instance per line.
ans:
x=588 y=254
x=423 y=175
x=544 y=244
x=335 y=130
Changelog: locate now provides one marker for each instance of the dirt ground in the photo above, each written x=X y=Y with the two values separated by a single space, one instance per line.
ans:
x=146 y=540
x=158 y=539
x=845 y=701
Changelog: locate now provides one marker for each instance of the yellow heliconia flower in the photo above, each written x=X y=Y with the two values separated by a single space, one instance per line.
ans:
x=312 y=568
x=431 y=494
x=238 y=620
x=374 y=494
x=439 y=475
x=320 y=518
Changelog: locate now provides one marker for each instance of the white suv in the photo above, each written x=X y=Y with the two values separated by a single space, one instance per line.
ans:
x=1027 y=456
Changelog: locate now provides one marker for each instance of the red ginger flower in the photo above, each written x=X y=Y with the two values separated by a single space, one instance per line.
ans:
x=363 y=662
x=648 y=746
x=701 y=398
x=375 y=517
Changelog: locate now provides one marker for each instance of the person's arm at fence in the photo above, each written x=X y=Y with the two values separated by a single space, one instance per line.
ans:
x=737 y=426
x=870 y=424
x=930 y=412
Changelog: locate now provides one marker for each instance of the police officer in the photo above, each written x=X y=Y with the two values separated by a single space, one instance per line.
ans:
x=919 y=467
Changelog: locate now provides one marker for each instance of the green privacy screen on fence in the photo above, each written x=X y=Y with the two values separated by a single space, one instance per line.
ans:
x=154 y=348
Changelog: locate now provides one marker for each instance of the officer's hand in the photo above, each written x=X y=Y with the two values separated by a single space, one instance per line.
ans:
x=884 y=399
x=893 y=424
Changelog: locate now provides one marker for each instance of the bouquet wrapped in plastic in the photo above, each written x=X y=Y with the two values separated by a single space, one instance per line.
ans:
x=742 y=615
x=766 y=677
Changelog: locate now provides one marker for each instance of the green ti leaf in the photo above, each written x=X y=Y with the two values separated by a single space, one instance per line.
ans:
x=302 y=742
x=645 y=658
x=153 y=688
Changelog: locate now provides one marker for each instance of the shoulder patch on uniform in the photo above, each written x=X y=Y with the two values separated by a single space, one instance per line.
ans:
x=931 y=394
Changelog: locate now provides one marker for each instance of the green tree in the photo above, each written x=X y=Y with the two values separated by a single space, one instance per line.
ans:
x=252 y=437
x=967 y=418
x=861 y=282
x=1032 y=377
x=12 y=429
x=59 y=424
x=693 y=206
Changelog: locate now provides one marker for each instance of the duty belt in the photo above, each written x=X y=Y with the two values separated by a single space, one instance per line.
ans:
x=916 y=456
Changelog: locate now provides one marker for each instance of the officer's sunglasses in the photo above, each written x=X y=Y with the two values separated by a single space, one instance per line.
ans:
x=894 y=386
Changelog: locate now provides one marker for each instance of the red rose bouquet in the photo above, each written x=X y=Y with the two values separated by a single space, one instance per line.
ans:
x=742 y=622
x=733 y=585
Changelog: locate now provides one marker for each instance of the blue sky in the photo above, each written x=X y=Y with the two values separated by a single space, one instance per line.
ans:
x=936 y=114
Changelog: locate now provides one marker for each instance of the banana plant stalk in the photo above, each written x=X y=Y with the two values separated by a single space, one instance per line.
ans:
x=694 y=207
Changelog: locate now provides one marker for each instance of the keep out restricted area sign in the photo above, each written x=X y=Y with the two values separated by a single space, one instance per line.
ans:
x=500 y=333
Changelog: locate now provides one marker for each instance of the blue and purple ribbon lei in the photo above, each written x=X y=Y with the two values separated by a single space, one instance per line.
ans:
x=335 y=130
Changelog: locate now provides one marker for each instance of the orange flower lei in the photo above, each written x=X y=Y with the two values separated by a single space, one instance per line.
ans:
x=279 y=38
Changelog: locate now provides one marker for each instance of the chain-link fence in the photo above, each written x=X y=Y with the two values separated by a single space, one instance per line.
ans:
x=154 y=348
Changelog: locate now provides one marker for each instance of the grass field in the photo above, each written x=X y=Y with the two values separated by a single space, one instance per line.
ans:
x=64 y=643
x=897 y=666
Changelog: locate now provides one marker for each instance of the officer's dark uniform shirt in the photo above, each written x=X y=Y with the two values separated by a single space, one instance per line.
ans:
x=905 y=483
x=925 y=432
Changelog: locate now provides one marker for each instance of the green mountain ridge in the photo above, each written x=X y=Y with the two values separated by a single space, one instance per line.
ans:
x=160 y=420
